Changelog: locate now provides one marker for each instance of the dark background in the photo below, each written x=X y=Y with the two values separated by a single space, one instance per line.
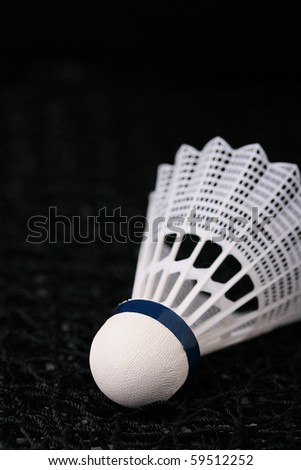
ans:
x=93 y=97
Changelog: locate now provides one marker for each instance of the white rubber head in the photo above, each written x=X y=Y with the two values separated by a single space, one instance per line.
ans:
x=135 y=360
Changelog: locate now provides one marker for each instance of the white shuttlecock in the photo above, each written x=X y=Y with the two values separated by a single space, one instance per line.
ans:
x=223 y=267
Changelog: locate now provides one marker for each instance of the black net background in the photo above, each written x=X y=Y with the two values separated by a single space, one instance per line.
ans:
x=79 y=138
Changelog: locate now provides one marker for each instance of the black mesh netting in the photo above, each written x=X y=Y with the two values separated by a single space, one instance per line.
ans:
x=79 y=140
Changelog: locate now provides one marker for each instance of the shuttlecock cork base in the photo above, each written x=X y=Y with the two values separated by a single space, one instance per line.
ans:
x=228 y=270
x=143 y=353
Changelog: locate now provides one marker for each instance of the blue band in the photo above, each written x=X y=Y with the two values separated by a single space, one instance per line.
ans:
x=170 y=320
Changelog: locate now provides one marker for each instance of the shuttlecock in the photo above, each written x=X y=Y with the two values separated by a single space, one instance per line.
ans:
x=220 y=264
